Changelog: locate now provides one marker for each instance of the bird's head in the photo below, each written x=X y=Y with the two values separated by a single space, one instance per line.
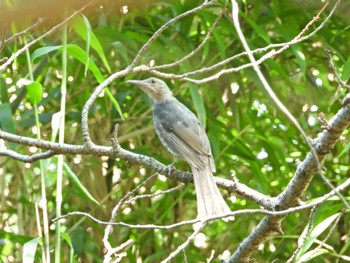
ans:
x=155 y=88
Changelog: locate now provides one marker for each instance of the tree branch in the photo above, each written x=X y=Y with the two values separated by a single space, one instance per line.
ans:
x=5 y=42
x=296 y=188
x=165 y=26
x=149 y=162
x=243 y=212
x=27 y=158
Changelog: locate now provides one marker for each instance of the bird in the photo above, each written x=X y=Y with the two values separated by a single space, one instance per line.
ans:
x=180 y=131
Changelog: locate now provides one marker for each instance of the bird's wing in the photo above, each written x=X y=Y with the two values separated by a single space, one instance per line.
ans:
x=188 y=153
x=192 y=132
x=180 y=131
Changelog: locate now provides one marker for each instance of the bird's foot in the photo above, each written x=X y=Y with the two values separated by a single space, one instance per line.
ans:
x=170 y=168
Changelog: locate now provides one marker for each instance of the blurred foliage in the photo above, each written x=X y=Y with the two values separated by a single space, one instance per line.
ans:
x=250 y=137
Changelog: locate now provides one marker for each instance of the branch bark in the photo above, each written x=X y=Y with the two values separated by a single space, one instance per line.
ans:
x=149 y=162
x=296 y=188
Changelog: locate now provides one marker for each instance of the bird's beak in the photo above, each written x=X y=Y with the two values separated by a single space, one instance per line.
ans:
x=135 y=82
x=142 y=85
x=139 y=83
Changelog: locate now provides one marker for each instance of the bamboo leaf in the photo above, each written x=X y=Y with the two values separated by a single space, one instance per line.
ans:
x=75 y=180
x=198 y=104
x=29 y=250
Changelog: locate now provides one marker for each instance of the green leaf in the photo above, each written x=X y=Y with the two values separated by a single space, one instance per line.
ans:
x=78 y=53
x=278 y=68
x=114 y=102
x=316 y=232
x=34 y=90
x=66 y=237
x=257 y=29
x=198 y=104
x=82 y=56
x=43 y=51
x=220 y=44
x=77 y=183
x=14 y=238
x=312 y=254
x=345 y=150
x=122 y=50
x=29 y=250
x=346 y=70
x=88 y=40
x=300 y=58
x=6 y=121
x=75 y=51
x=3 y=91
x=82 y=27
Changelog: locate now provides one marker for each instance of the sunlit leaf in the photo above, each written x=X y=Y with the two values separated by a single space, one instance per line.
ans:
x=88 y=42
x=198 y=104
x=312 y=254
x=81 y=55
x=300 y=56
x=75 y=51
x=34 y=91
x=82 y=27
x=316 y=232
x=43 y=51
x=29 y=250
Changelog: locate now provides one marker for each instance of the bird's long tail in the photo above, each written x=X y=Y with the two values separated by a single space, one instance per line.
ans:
x=209 y=199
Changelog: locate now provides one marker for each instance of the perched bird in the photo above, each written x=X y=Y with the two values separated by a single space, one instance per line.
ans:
x=181 y=133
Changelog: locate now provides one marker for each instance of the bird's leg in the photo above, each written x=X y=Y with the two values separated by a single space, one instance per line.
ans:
x=170 y=167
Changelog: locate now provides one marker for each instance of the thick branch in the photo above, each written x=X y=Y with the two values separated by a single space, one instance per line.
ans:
x=297 y=186
x=149 y=162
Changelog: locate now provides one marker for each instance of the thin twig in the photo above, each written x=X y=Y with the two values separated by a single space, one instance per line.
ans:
x=116 y=211
x=288 y=211
x=185 y=244
x=341 y=83
x=25 y=47
x=185 y=256
x=283 y=46
x=85 y=112
x=108 y=256
x=155 y=194
x=25 y=31
x=27 y=158
x=303 y=237
x=165 y=26
x=211 y=256
x=200 y=46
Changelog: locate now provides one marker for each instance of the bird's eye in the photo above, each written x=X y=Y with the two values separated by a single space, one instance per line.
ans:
x=153 y=81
